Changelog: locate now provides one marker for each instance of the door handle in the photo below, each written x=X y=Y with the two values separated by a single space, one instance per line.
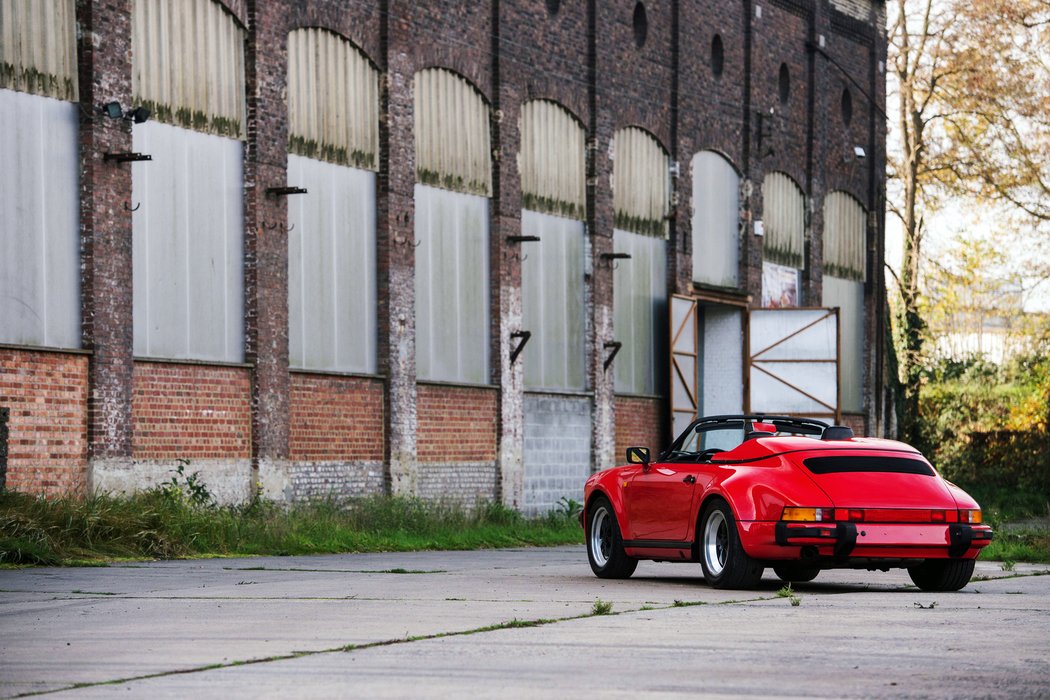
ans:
x=690 y=479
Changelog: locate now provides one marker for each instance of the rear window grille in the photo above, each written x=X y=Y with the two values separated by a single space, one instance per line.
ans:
x=885 y=465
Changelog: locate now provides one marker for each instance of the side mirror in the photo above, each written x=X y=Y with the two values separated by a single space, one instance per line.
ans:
x=638 y=455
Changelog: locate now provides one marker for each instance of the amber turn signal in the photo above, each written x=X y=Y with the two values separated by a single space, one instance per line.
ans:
x=808 y=515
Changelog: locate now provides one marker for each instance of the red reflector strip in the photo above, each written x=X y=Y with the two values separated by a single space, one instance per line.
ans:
x=896 y=515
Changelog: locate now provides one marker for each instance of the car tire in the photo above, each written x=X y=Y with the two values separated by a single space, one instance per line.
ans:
x=937 y=575
x=605 y=543
x=722 y=557
x=795 y=574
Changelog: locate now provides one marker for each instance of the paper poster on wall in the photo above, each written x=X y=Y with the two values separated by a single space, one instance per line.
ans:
x=779 y=286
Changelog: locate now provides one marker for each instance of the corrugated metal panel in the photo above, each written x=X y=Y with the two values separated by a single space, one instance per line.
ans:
x=453 y=143
x=39 y=221
x=716 y=221
x=38 y=47
x=187 y=64
x=848 y=296
x=188 y=245
x=785 y=221
x=845 y=234
x=452 y=286
x=552 y=286
x=332 y=267
x=640 y=312
x=333 y=100
x=641 y=183
x=552 y=161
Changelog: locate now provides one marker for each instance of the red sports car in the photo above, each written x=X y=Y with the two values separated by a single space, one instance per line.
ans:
x=740 y=493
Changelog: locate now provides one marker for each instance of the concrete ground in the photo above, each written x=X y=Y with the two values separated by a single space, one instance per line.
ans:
x=421 y=625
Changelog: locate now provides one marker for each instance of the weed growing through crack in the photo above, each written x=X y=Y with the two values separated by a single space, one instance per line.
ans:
x=601 y=607
x=1008 y=565
x=786 y=592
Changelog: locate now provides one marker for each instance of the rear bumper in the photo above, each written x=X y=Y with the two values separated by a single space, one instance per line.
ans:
x=843 y=540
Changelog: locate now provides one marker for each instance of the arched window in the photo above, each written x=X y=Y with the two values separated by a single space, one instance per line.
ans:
x=784 y=221
x=39 y=180
x=716 y=220
x=641 y=202
x=454 y=181
x=188 y=235
x=333 y=143
x=554 y=200
x=845 y=236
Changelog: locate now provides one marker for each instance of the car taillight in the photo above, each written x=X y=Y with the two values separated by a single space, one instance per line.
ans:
x=808 y=515
x=852 y=514
x=972 y=517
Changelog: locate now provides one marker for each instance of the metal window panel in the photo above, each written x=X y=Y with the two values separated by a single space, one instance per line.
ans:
x=716 y=220
x=452 y=285
x=641 y=183
x=452 y=136
x=552 y=281
x=333 y=100
x=332 y=267
x=848 y=296
x=552 y=160
x=845 y=235
x=640 y=312
x=38 y=47
x=784 y=218
x=188 y=246
x=793 y=361
x=188 y=64
x=40 y=231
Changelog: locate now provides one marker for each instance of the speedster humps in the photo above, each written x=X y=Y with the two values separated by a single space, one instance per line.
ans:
x=744 y=492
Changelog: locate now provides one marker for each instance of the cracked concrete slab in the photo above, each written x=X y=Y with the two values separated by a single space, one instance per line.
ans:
x=63 y=627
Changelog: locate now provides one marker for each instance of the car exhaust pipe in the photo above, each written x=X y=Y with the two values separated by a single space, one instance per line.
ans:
x=810 y=553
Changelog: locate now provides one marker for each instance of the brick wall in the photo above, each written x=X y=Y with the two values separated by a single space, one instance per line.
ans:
x=638 y=424
x=456 y=443
x=46 y=393
x=857 y=421
x=456 y=424
x=336 y=418
x=194 y=412
x=336 y=436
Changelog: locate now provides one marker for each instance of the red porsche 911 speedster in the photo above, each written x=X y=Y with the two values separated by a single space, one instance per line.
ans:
x=744 y=492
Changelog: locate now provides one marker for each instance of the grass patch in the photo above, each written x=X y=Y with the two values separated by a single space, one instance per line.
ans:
x=161 y=524
x=1021 y=545
x=601 y=607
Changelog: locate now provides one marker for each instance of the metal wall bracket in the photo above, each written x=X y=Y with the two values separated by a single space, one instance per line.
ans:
x=126 y=157
x=615 y=346
x=284 y=191
x=523 y=239
x=524 y=340
x=608 y=258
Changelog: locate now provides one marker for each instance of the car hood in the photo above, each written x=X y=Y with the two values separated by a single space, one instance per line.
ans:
x=873 y=480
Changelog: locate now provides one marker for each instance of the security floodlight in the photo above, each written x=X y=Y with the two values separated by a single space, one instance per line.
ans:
x=138 y=115
x=859 y=152
x=112 y=110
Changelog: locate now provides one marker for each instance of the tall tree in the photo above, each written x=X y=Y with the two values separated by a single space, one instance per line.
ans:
x=969 y=84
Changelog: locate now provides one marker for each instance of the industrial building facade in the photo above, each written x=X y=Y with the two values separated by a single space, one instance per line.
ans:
x=466 y=250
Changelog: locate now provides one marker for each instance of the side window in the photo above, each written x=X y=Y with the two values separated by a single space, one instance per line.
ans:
x=720 y=436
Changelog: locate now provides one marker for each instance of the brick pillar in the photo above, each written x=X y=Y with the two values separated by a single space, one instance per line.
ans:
x=266 y=243
x=104 y=46
x=600 y=230
x=398 y=259
x=506 y=271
